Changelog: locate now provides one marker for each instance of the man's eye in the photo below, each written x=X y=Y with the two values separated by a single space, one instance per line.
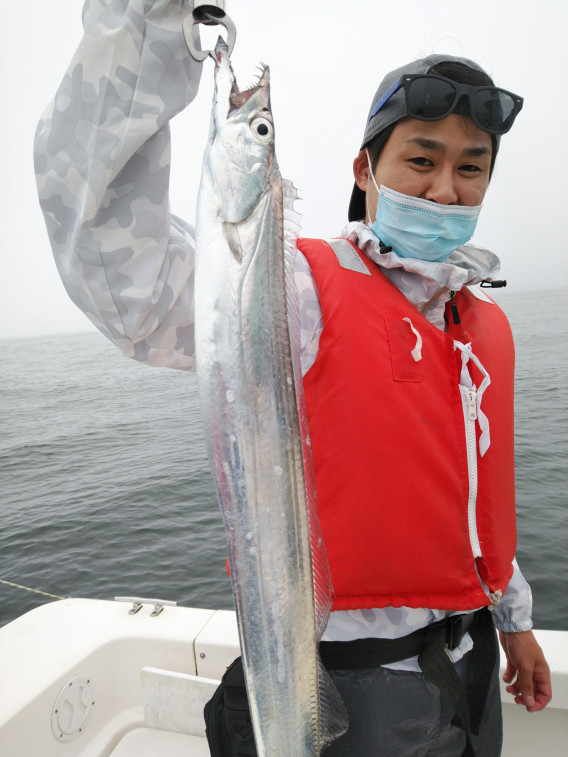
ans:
x=470 y=168
x=421 y=161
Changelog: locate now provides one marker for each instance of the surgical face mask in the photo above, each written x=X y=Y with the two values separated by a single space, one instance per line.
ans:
x=417 y=228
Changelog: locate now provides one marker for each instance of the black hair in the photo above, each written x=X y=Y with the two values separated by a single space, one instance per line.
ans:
x=459 y=73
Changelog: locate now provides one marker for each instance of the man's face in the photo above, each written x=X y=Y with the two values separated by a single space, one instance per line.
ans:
x=445 y=161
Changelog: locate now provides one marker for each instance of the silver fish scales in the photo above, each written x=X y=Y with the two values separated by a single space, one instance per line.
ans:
x=251 y=394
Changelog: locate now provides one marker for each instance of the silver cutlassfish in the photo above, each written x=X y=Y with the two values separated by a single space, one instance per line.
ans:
x=250 y=384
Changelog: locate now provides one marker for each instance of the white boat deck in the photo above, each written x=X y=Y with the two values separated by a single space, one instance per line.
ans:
x=149 y=742
x=85 y=678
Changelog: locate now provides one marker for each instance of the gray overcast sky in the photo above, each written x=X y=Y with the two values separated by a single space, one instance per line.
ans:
x=326 y=60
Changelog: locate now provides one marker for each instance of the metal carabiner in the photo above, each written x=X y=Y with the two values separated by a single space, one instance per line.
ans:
x=210 y=13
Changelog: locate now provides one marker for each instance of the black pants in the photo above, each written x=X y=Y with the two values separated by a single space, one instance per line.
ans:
x=399 y=714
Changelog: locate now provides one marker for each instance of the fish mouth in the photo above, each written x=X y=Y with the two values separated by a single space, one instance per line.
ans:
x=237 y=97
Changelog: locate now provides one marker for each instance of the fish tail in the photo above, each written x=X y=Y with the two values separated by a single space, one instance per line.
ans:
x=333 y=715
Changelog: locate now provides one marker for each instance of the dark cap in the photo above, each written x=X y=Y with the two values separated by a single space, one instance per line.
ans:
x=395 y=110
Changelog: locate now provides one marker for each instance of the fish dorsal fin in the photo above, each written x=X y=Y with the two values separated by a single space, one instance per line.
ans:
x=332 y=713
x=320 y=565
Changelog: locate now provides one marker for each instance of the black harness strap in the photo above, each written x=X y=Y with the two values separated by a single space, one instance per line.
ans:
x=485 y=655
x=370 y=653
x=439 y=670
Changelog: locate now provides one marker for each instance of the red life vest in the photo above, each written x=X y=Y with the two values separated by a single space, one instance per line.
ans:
x=389 y=441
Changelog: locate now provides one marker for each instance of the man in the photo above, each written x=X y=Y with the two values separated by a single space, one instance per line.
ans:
x=408 y=167
x=102 y=157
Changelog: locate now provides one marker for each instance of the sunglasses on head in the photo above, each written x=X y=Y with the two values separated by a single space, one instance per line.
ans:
x=431 y=98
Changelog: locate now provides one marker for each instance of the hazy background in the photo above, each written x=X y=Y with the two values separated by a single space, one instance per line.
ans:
x=326 y=61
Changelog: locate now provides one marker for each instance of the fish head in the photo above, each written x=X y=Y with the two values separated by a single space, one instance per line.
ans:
x=241 y=141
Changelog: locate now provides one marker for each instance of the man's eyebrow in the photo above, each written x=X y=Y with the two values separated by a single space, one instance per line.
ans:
x=476 y=152
x=433 y=144
x=427 y=144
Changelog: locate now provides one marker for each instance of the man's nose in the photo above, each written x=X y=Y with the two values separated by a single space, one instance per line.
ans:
x=442 y=188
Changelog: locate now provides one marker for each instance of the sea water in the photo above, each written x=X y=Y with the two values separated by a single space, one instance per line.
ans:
x=105 y=486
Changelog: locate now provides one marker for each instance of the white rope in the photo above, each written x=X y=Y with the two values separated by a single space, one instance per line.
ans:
x=33 y=591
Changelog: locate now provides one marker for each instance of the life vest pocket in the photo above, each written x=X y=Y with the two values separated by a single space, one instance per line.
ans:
x=405 y=349
x=404 y=344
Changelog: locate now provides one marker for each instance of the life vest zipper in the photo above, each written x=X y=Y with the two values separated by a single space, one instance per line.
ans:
x=470 y=416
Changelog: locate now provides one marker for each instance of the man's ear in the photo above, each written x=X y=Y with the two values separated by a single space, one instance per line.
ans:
x=361 y=170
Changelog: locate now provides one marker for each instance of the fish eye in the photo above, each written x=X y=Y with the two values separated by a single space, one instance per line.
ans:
x=262 y=129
